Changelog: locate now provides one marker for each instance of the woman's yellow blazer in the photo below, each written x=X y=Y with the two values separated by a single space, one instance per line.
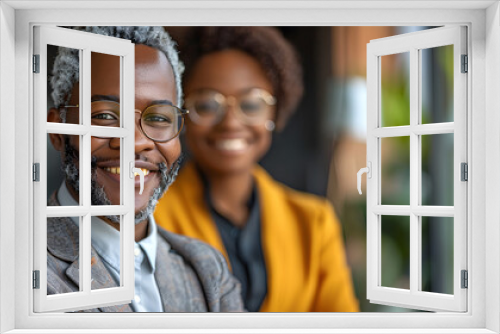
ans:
x=301 y=240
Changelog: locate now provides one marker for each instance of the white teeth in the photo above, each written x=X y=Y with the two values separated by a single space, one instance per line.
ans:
x=231 y=144
x=144 y=170
x=116 y=170
x=113 y=170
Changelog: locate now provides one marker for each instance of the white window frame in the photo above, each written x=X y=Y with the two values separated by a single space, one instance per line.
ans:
x=413 y=44
x=481 y=17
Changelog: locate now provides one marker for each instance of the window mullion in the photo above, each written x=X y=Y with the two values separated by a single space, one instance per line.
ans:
x=127 y=150
x=414 y=171
x=373 y=183
x=85 y=172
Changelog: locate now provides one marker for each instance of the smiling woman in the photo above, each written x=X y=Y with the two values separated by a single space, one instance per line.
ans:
x=224 y=144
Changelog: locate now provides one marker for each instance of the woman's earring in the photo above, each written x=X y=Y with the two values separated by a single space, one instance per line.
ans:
x=269 y=125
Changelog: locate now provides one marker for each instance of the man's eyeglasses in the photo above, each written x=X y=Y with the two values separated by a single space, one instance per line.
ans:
x=208 y=107
x=159 y=122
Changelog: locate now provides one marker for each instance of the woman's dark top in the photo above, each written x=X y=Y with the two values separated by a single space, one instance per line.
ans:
x=244 y=249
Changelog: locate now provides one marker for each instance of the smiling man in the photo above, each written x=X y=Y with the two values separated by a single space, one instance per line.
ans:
x=173 y=273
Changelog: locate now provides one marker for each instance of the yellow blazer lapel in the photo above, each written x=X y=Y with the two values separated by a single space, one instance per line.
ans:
x=198 y=210
x=278 y=257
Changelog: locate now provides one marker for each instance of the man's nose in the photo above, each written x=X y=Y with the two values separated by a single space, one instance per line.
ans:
x=114 y=143
x=142 y=143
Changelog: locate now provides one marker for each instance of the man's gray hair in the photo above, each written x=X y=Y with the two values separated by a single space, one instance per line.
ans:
x=66 y=65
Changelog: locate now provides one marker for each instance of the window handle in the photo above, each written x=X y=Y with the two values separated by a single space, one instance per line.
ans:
x=367 y=170
x=137 y=171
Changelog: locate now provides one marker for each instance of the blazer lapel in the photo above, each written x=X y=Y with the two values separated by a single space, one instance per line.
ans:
x=203 y=277
x=274 y=218
x=195 y=195
x=171 y=279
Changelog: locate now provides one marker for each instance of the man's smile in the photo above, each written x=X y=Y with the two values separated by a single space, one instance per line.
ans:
x=108 y=172
x=111 y=169
x=116 y=170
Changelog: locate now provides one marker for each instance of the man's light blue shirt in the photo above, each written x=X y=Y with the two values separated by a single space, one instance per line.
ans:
x=106 y=242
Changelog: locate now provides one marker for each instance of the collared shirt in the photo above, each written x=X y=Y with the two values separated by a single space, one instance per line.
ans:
x=106 y=242
x=244 y=249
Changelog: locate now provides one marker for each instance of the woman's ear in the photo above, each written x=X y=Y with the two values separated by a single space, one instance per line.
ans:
x=56 y=139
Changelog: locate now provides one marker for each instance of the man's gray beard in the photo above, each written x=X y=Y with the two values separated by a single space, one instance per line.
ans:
x=98 y=195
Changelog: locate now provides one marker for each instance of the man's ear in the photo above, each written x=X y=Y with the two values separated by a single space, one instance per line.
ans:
x=56 y=139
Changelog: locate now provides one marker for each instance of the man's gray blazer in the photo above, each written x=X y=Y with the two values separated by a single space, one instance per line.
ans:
x=191 y=275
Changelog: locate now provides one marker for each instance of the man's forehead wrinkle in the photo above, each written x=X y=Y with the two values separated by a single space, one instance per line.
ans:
x=170 y=103
x=98 y=97
x=153 y=67
x=154 y=89
x=117 y=99
x=153 y=54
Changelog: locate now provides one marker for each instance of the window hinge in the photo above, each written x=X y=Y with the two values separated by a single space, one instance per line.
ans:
x=465 y=64
x=36 y=172
x=465 y=279
x=464 y=171
x=36 y=279
x=36 y=63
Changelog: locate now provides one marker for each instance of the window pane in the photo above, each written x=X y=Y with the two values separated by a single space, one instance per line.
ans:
x=62 y=166
x=63 y=237
x=105 y=90
x=437 y=254
x=437 y=169
x=106 y=171
x=395 y=176
x=437 y=84
x=105 y=112
x=106 y=241
x=395 y=93
x=395 y=251
x=61 y=98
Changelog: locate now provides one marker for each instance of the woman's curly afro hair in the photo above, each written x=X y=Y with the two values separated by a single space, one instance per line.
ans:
x=267 y=45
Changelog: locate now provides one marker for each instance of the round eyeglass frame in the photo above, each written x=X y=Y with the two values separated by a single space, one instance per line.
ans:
x=181 y=112
x=268 y=98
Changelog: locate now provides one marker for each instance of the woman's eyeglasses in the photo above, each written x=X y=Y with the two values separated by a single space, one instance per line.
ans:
x=208 y=107
x=160 y=122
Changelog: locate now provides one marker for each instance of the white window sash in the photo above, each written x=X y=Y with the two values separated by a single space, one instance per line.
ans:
x=87 y=43
x=414 y=297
